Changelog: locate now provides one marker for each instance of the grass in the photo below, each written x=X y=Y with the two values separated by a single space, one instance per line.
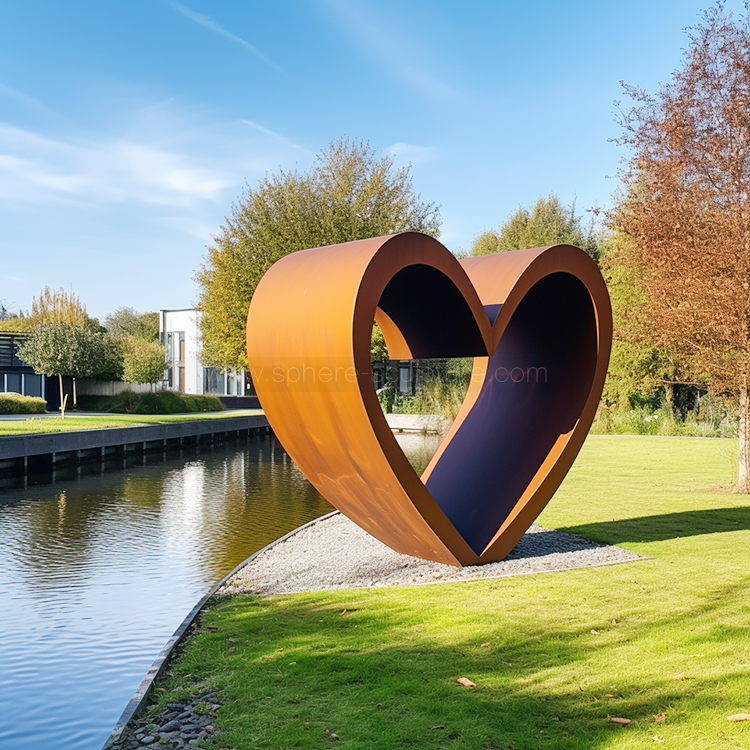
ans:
x=664 y=642
x=76 y=423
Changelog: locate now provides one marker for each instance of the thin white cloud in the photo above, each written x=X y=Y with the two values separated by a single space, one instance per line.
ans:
x=411 y=153
x=211 y=25
x=35 y=169
x=274 y=134
x=398 y=52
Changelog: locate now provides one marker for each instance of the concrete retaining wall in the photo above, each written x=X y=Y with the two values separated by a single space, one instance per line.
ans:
x=28 y=454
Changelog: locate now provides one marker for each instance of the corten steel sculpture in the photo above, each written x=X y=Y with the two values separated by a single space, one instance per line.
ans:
x=539 y=326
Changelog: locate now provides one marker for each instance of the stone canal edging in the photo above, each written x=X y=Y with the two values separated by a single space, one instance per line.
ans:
x=42 y=452
x=140 y=697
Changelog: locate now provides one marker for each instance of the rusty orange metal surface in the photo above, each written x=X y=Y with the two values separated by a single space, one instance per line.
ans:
x=538 y=324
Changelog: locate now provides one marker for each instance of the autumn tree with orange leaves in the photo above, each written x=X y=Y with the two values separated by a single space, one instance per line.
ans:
x=686 y=205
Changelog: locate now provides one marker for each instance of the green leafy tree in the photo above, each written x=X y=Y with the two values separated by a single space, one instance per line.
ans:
x=350 y=193
x=378 y=348
x=10 y=321
x=638 y=367
x=107 y=356
x=143 y=361
x=59 y=306
x=62 y=349
x=125 y=321
x=548 y=223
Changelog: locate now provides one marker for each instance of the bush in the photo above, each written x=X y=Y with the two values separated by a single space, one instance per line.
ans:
x=14 y=403
x=436 y=396
x=159 y=402
x=711 y=418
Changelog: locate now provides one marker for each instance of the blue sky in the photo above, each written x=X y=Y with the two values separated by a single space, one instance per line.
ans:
x=128 y=129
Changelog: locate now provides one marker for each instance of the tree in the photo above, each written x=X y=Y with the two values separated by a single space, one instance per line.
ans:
x=143 y=361
x=59 y=306
x=378 y=348
x=548 y=223
x=349 y=194
x=62 y=349
x=125 y=321
x=13 y=322
x=638 y=368
x=686 y=205
x=107 y=357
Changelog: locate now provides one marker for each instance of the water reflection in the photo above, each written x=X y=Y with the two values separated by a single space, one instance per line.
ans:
x=98 y=570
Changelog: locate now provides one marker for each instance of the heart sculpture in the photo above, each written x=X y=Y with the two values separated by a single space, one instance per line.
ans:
x=539 y=326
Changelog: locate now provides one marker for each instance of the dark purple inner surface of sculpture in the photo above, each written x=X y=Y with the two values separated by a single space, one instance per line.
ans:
x=536 y=385
x=431 y=314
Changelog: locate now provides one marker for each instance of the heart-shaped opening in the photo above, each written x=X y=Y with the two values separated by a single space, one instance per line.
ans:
x=527 y=394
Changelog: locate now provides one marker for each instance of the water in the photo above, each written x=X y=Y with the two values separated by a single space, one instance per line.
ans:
x=97 y=572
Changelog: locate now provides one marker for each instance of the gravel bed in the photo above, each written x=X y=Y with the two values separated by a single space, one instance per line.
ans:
x=335 y=553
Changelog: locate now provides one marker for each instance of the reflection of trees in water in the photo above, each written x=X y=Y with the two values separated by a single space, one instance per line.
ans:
x=208 y=513
x=248 y=500
x=203 y=514
x=419 y=448
x=55 y=533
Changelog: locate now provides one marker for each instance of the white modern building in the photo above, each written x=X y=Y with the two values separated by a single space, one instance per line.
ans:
x=179 y=331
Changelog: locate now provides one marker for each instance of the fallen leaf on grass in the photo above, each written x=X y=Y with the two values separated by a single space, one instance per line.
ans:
x=438 y=726
x=609 y=695
x=657 y=738
x=739 y=717
x=660 y=718
x=680 y=676
x=466 y=682
x=594 y=632
x=619 y=721
x=485 y=644
x=332 y=735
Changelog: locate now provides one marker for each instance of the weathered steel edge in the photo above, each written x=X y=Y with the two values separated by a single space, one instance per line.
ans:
x=18 y=446
x=144 y=689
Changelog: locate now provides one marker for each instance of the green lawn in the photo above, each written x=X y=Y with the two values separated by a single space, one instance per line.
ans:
x=664 y=642
x=75 y=423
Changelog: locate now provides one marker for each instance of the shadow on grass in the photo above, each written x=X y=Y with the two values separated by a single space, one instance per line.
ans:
x=382 y=674
x=665 y=526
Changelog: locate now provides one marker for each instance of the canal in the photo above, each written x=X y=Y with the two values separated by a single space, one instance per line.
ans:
x=98 y=569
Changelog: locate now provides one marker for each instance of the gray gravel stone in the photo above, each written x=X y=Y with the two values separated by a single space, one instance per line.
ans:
x=335 y=553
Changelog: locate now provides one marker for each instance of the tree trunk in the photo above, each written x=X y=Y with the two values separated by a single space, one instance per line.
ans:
x=743 y=478
x=62 y=398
